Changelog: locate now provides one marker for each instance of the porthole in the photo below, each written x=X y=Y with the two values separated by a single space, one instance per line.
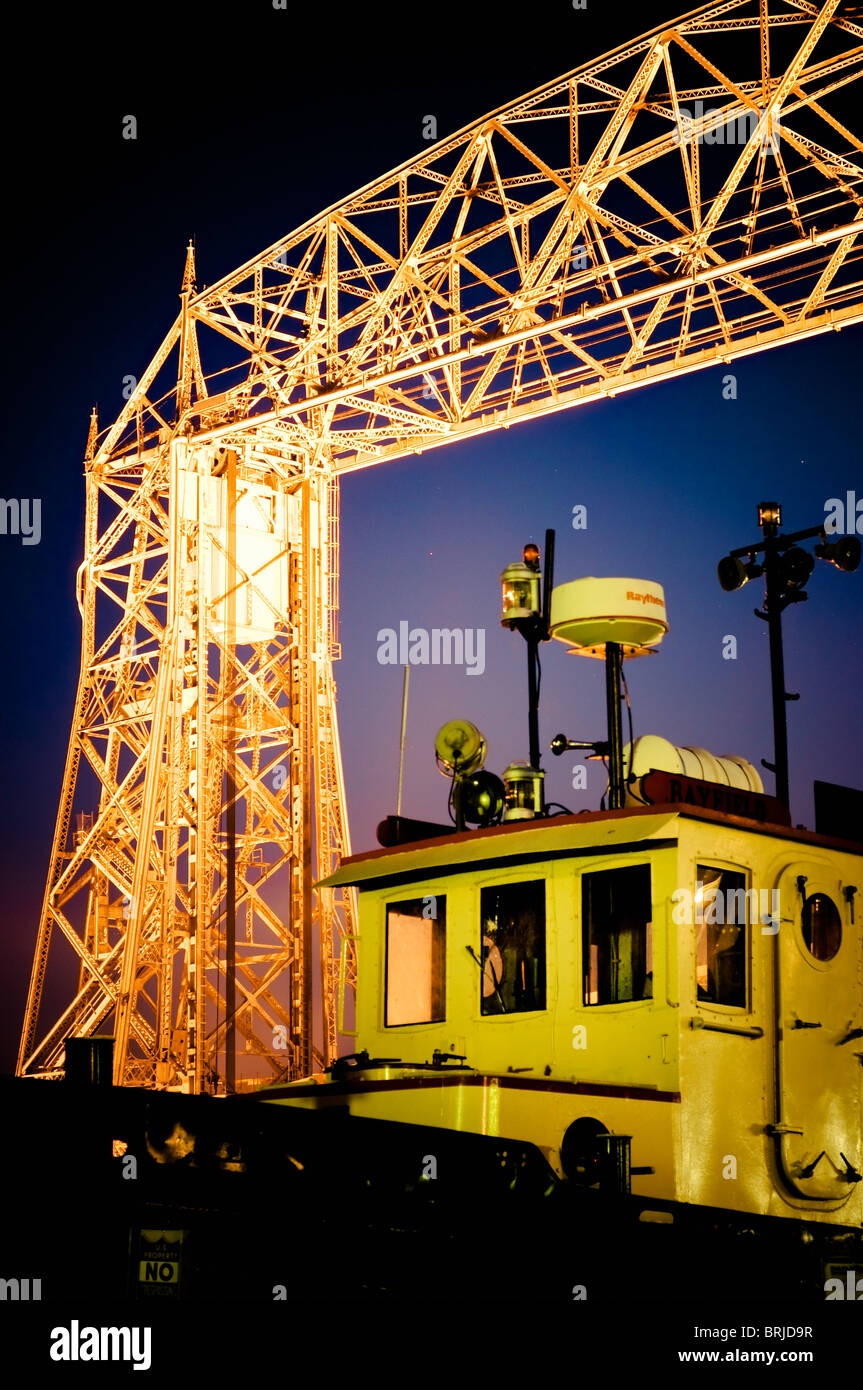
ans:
x=821 y=926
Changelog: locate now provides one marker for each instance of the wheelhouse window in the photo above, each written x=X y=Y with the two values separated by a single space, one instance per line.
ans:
x=617 y=937
x=416 y=961
x=720 y=903
x=513 y=947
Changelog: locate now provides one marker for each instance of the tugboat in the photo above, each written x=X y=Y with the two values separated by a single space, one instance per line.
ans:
x=663 y=997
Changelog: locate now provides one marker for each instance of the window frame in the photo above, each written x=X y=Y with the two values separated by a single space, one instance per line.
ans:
x=732 y=1010
x=386 y=906
x=598 y=867
x=512 y=881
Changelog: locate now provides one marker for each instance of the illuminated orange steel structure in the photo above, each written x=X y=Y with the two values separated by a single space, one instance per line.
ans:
x=688 y=199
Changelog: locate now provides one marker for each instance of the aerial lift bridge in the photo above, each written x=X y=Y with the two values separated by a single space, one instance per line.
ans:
x=688 y=199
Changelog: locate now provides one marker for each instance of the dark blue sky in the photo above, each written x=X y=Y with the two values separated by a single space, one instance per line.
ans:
x=671 y=478
x=251 y=120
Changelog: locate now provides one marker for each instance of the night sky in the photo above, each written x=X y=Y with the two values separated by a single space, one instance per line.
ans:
x=250 y=121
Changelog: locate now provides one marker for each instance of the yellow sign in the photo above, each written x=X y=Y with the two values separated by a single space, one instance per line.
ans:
x=159 y=1258
x=158 y=1272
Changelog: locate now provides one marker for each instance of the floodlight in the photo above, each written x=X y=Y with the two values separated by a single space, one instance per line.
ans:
x=459 y=747
x=482 y=798
x=733 y=574
x=795 y=567
x=844 y=553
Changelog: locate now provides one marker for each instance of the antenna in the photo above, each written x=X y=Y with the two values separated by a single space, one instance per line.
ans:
x=610 y=619
x=402 y=739
x=527 y=613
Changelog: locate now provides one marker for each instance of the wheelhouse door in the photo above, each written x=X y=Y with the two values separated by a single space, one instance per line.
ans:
x=819 y=1041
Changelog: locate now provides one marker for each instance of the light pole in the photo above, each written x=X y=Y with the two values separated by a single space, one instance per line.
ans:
x=786 y=568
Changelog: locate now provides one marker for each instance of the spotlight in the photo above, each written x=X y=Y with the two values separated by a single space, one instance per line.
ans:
x=795 y=567
x=459 y=748
x=844 y=553
x=733 y=574
x=477 y=796
x=482 y=798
